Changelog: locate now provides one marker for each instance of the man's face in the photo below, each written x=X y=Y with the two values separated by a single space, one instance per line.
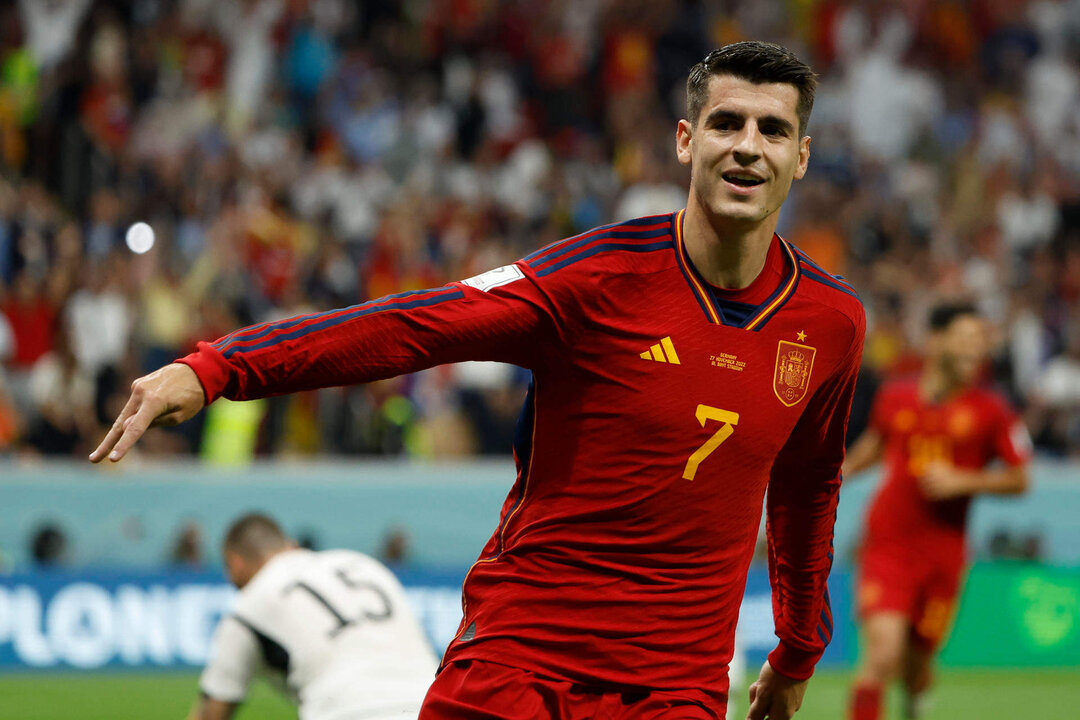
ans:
x=962 y=348
x=745 y=149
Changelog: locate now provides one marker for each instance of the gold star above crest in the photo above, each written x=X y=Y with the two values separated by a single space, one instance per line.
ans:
x=801 y=335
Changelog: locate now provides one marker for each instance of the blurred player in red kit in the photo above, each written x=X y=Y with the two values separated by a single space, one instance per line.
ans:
x=938 y=435
x=681 y=363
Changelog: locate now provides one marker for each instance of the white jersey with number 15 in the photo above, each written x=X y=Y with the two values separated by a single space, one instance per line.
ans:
x=333 y=630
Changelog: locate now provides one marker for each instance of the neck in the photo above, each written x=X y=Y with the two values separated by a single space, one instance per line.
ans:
x=936 y=385
x=728 y=254
x=260 y=562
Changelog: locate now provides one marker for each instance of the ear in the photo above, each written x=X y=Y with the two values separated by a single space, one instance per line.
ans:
x=683 y=135
x=804 y=157
x=237 y=568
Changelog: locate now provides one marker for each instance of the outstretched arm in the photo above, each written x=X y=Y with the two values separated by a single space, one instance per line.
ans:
x=513 y=321
x=167 y=396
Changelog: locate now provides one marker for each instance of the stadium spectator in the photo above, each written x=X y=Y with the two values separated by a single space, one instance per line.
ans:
x=1055 y=408
x=51 y=29
x=394 y=549
x=62 y=396
x=49 y=546
x=9 y=419
x=31 y=320
x=187 y=549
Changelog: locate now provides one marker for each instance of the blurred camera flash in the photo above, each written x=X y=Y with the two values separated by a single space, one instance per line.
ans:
x=140 y=238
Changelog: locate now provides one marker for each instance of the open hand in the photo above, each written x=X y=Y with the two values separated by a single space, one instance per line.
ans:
x=775 y=696
x=167 y=396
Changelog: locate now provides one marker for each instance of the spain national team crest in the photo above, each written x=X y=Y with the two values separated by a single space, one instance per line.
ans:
x=791 y=379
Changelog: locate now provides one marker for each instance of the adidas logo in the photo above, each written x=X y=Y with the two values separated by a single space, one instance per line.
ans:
x=662 y=351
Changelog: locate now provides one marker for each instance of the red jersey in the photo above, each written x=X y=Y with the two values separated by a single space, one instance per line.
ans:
x=968 y=430
x=660 y=410
x=33 y=326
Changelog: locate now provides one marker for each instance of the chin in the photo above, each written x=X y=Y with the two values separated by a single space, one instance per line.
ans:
x=740 y=212
x=967 y=376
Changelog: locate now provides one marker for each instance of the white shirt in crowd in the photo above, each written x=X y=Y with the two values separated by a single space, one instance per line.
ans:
x=332 y=630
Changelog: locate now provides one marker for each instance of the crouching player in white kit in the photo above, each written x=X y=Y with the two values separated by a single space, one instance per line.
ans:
x=332 y=630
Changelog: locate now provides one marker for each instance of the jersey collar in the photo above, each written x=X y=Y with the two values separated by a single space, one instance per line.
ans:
x=723 y=311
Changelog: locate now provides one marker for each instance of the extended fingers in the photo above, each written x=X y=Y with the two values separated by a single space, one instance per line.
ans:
x=116 y=431
x=144 y=408
x=107 y=442
x=757 y=704
x=134 y=427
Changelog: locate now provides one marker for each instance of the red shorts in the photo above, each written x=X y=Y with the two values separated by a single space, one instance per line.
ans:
x=477 y=690
x=923 y=589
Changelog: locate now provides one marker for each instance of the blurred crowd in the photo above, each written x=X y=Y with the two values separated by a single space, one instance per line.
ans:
x=297 y=155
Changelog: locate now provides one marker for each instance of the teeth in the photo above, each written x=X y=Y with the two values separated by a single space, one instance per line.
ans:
x=742 y=179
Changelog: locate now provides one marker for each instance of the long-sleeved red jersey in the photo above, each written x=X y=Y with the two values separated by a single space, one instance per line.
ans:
x=661 y=408
x=968 y=430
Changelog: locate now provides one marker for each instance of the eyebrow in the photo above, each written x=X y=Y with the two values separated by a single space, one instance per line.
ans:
x=721 y=114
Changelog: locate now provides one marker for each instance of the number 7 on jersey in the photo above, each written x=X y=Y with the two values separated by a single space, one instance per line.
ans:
x=704 y=414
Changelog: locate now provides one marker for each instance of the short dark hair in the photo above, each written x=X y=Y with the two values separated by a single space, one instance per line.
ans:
x=758 y=62
x=254 y=536
x=944 y=314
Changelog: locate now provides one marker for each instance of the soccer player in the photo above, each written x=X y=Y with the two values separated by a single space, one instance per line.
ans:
x=938 y=435
x=332 y=630
x=681 y=363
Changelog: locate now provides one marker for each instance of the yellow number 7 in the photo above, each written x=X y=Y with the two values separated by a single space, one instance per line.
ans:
x=704 y=414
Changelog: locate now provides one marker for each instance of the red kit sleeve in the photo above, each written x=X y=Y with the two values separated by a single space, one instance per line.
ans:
x=881 y=411
x=503 y=315
x=1011 y=440
x=801 y=509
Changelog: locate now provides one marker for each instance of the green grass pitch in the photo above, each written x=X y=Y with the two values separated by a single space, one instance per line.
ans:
x=961 y=695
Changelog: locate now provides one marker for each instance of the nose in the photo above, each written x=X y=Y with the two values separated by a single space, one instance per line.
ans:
x=747 y=146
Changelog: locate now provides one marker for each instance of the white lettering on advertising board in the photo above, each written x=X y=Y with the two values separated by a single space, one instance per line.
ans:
x=86 y=626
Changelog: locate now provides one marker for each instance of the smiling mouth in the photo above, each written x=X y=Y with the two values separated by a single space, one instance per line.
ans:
x=742 y=180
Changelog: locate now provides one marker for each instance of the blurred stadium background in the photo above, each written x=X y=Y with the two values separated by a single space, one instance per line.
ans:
x=296 y=155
